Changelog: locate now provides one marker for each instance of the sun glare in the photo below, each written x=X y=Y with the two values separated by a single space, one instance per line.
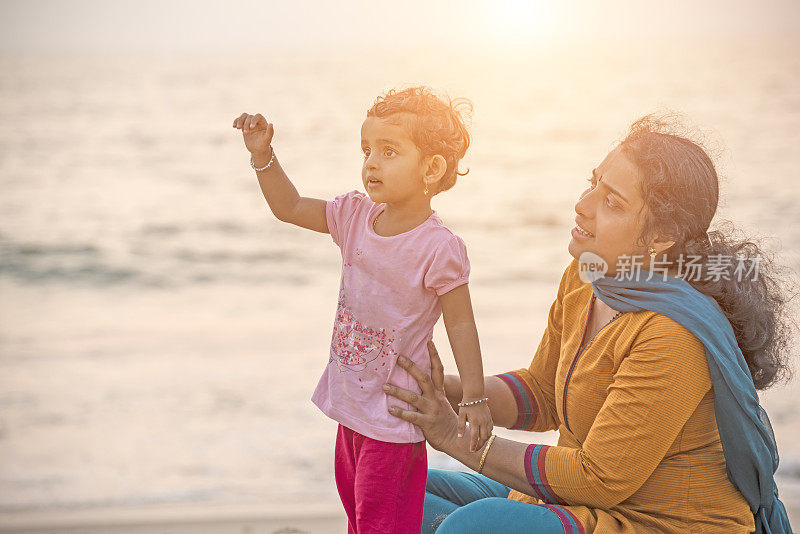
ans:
x=519 y=20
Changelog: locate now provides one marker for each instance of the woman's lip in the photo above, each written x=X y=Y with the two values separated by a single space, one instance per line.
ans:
x=577 y=235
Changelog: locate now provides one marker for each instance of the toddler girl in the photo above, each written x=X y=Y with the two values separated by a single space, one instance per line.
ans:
x=401 y=269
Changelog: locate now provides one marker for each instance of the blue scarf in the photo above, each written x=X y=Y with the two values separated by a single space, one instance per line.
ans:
x=746 y=434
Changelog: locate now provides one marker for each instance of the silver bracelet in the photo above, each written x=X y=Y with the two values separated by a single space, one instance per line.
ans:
x=473 y=402
x=265 y=167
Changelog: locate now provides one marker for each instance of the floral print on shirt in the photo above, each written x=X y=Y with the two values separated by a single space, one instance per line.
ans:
x=356 y=344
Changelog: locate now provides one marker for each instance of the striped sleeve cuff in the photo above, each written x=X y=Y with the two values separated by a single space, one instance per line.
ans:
x=568 y=520
x=537 y=477
x=527 y=409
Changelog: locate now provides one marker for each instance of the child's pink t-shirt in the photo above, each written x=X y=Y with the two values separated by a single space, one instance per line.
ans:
x=388 y=304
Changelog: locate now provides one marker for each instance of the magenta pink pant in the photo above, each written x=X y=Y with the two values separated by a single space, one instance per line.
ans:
x=381 y=484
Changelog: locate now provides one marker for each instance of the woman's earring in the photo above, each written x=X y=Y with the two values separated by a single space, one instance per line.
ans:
x=426 y=189
x=652 y=252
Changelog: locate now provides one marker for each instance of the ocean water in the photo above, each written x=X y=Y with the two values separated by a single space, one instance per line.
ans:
x=161 y=332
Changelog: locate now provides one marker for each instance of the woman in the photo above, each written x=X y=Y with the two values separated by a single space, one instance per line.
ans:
x=633 y=372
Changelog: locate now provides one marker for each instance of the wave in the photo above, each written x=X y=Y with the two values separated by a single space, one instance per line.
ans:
x=152 y=266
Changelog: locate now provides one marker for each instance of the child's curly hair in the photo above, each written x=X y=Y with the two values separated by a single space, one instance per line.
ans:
x=437 y=127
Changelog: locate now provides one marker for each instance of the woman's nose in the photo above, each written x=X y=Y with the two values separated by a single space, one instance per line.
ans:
x=584 y=204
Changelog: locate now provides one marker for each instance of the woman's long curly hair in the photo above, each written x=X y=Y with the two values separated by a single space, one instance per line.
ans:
x=680 y=188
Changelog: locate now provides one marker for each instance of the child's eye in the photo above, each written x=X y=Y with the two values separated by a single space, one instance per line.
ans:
x=388 y=152
x=365 y=152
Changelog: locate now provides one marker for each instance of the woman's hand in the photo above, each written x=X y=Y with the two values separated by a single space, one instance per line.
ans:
x=257 y=132
x=434 y=414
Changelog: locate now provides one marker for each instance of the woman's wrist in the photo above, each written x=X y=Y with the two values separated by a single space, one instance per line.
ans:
x=459 y=449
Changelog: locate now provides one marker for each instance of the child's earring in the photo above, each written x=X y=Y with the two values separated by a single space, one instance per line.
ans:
x=426 y=189
x=652 y=252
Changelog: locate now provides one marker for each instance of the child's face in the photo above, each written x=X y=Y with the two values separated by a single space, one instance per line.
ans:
x=393 y=167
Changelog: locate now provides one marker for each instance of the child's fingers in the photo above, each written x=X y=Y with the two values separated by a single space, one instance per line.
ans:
x=244 y=122
x=475 y=435
x=247 y=120
x=481 y=441
x=239 y=121
x=257 y=121
x=486 y=432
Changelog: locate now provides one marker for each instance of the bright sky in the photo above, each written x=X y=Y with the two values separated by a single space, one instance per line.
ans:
x=108 y=25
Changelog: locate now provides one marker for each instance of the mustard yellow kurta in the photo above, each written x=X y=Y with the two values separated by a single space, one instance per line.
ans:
x=638 y=447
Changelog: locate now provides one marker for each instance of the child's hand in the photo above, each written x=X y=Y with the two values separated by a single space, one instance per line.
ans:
x=480 y=424
x=257 y=132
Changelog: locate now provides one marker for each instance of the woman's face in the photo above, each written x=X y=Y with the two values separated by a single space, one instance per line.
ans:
x=611 y=210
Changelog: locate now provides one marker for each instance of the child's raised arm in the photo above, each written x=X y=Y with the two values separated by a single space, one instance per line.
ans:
x=284 y=201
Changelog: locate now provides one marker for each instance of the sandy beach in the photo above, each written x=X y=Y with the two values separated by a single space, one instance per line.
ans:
x=286 y=518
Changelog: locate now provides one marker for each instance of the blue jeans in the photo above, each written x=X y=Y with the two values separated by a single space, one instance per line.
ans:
x=468 y=503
